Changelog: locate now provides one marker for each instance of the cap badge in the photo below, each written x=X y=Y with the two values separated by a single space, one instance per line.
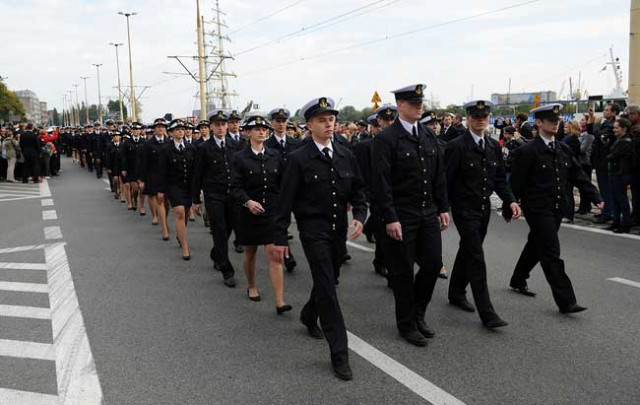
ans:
x=323 y=102
x=419 y=89
x=259 y=120
x=433 y=116
x=388 y=112
x=556 y=110
x=480 y=105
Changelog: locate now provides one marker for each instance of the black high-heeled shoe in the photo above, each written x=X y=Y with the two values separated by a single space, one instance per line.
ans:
x=281 y=310
x=255 y=299
x=165 y=238
x=187 y=257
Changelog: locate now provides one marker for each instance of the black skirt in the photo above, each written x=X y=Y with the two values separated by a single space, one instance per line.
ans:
x=255 y=230
x=131 y=177
x=179 y=196
x=151 y=185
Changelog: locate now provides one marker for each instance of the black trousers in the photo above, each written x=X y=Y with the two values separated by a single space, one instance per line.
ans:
x=31 y=167
x=221 y=211
x=324 y=256
x=90 y=161
x=98 y=164
x=422 y=244
x=543 y=246
x=469 y=266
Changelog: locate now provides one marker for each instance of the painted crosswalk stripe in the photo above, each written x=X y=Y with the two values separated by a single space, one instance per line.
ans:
x=17 y=311
x=52 y=232
x=49 y=214
x=27 y=350
x=45 y=191
x=46 y=202
x=17 y=397
x=23 y=266
x=22 y=248
x=416 y=383
x=23 y=287
x=625 y=281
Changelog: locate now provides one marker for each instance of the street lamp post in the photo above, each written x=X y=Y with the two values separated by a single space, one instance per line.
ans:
x=97 y=65
x=86 y=100
x=116 y=45
x=77 y=103
x=132 y=93
x=64 y=108
x=72 y=114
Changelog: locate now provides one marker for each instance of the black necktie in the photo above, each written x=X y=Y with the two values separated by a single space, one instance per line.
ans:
x=552 y=145
x=282 y=143
x=260 y=156
x=481 y=144
x=222 y=145
x=414 y=132
x=326 y=153
x=181 y=148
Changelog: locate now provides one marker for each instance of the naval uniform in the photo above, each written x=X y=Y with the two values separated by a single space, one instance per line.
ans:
x=540 y=173
x=316 y=187
x=409 y=186
x=149 y=163
x=176 y=173
x=475 y=170
x=130 y=160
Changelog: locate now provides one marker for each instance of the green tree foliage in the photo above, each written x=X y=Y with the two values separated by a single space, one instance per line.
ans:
x=57 y=119
x=113 y=106
x=10 y=104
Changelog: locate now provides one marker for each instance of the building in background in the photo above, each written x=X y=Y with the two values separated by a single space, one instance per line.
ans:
x=524 y=98
x=35 y=110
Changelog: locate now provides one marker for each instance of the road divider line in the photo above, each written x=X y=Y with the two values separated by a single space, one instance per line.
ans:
x=416 y=383
x=49 y=214
x=358 y=246
x=52 y=232
x=24 y=287
x=27 y=350
x=107 y=181
x=46 y=202
x=9 y=396
x=625 y=281
x=76 y=372
x=17 y=311
x=23 y=266
x=45 y=191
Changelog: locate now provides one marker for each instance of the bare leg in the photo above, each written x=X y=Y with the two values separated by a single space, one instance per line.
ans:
x=181 y=228
x=277 y=278
x=249 y=264
x=127 y=194
x=133 y=191
x=153 y=204
x=162 y=214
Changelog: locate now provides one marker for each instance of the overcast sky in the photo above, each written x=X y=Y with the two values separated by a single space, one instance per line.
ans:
x=46 y=45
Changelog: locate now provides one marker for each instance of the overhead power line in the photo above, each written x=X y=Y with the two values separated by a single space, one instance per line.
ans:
x=389 y=37
x=266 y=17
x=304 y=29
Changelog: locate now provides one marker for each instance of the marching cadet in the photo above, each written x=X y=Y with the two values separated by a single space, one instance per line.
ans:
x=256 y=186
x=541 y=171
x=177 y=161
x=149 y=176
x=475 y=170
x=203 y=127
x=430 y=121
x=188 y=132
x=238 y=143
x=284 y=144
x=83 y=143
x=213 y=176
x=320 y=179
x=291 y=131
x=130 y=151
x=113 y=161
x=90 y=145
x=409 y=190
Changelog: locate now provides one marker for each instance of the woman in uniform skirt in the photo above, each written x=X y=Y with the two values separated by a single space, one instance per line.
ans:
x=114 y=162
x=177 y=160
x=148 y=175
x=256 y=185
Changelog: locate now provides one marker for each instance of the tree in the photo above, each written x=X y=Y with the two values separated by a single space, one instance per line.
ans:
x=56 y=117
x=349 y=113
x=113 y=106
x=10 y=105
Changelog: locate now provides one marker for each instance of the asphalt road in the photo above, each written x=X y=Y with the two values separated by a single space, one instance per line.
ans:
x=166 y=331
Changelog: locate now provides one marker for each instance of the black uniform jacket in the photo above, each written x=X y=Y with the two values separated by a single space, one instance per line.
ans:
x=407 y=174
x=175 y=168
x=113 y=159
x=149 y=160
x=473 y=174
x=290 y=145
x=238 y=145
x=362 y=151
x=130 y=151
x=256 y=178
x=213 y=171
x=540 y=176
x=620 y=156
x=318 y=190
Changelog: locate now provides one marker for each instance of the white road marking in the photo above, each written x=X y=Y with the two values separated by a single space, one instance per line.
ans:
x=23 y=287
x=46 y=202
x=17 y=311
x=625 y=281
x=52 y=232
x=23 y=266
x=44 y=189
x=49 y=214
x=78 y=381
x=27 y=350
x=601 y=231
x=358 y=246
x=16 y=397
x=106 y=181
x=22 y=248
x=17 y=198
x=402 y=374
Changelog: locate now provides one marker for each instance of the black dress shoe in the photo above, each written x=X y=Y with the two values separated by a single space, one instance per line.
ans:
x=165 y=238
x=463 y=304
x=187 y=257
x=494 y=323
x=285 y=308
x=425 y=329
x=289 y=237
x=415 y=338
x=343 y=372
x=142 y=214
x=602 y=220
x=290 y=265
x=255 y=299
x=612 y=227
x=380 y=270
x=239 y=249
x=192 y=219
x=623 y=229
x=229 y=281
x=572 y=309
x=312 y=329
x=443 y=276
x=154 y=223
x=524 y=290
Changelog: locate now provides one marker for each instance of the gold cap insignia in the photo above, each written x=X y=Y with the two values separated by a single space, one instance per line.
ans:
x=220 y=114
x=556 y=110
x=259 y=120
x=281 y=112
x=433 y=116
x=323 y=102
x=480 y=105
x=419 y=89
x=388 y=112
